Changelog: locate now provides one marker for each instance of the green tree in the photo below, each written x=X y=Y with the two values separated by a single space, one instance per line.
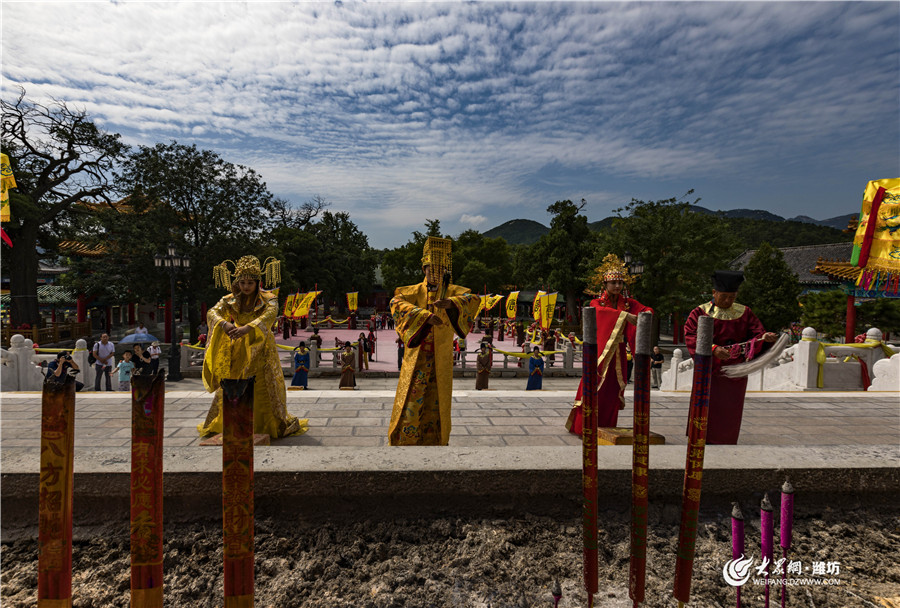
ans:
x=826 y=312
x=679 y=248
x=403 y=265
x=345 y=261
x=771 y=288
x=883 y=313
x=59 y=158
x=561 y=256
x=220 y=209
x=481 y=263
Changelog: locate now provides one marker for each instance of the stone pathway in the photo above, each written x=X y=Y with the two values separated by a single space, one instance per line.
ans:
x=504 y=416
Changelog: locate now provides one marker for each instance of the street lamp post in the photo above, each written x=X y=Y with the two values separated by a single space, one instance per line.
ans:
x=173 y=262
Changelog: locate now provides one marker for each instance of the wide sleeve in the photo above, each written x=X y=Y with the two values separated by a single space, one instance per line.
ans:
x=218 y=314
x=690 y=330
x=635 y=308
x=410 y=320
x=264 y=321
x=462 y=313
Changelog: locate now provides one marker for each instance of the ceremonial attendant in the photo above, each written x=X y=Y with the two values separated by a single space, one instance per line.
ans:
x=301 y=366
x=348 y=375
x=616 y=317
x=737 y=337
x=371 y=340
x=483 y=367
x=535 y=370
x=427 y=316
x=363 y=351
x=242 y=346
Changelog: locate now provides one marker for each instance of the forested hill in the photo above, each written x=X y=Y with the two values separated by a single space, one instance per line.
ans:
x=752 y=227
x=518 y=232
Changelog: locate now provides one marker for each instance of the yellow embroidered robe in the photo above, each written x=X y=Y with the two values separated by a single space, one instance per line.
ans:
x=252 y=355
x=421 y=414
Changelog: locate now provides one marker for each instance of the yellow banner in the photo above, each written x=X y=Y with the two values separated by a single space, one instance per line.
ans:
x=884 y=253
x=7 y=181
x=536 y=306
x=353 y=301
x=492 y=301
x=302 y=309
x=548 y=306
x=289 y=305
x=512 y=301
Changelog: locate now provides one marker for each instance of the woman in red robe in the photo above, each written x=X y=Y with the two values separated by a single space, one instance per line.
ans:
x=612 y=301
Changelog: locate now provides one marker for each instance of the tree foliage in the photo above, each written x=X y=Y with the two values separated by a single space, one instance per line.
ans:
x=883 y=313
x=826 y=312
x=680 y=250
x=59 y=158
x=771 y=288
x=403 y=265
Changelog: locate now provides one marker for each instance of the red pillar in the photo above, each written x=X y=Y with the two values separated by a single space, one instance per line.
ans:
x=203 y=312
x=130 y=314
x=850 y=332
x=81 y=308
x=169 y=336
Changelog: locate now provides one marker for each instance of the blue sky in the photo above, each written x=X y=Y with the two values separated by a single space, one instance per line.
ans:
x=478 y=113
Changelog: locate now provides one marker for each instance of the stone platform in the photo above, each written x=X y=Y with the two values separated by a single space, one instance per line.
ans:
x=509 y=452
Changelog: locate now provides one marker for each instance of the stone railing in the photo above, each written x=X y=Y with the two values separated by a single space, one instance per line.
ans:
x=56 y=332
x=799 y=367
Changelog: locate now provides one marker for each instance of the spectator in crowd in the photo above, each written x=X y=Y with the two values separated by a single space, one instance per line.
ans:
x=141 y=360
x=155 y=351
x=656 y=361
x=141 y=330
x=124 y=368
x=103 y=361
x=59 y=368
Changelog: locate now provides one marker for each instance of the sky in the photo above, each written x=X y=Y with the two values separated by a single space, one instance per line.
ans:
x=481 y=112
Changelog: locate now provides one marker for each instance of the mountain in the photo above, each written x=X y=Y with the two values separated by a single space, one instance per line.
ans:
x=518 y=232
x=840 y=222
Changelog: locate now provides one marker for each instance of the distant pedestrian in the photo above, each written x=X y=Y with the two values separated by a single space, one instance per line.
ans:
x=141 y=330
x=372 y=339
x=363 y=351
x=124 y=369
x=155 y=351
x=103 y=352
x=656 y=361
x=400 y=349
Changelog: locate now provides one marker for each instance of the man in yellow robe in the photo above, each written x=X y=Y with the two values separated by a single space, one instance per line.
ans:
x=427 y=316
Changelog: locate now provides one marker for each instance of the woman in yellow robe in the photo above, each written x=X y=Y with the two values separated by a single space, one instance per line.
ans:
x=242 y=345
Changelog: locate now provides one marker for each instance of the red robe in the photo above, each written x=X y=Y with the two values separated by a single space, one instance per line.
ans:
x=611 y=394
x=726 y=396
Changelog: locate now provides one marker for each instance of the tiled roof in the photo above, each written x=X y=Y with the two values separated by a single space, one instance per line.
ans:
x=840 y=271
x=803 y=260
x=82 y=249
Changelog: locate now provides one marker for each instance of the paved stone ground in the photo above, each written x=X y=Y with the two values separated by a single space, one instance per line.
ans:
x=506 y=415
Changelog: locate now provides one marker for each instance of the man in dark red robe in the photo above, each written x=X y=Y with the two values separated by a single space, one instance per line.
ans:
x=736 y=332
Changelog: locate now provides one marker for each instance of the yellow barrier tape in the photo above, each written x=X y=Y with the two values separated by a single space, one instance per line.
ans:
x=821 y=357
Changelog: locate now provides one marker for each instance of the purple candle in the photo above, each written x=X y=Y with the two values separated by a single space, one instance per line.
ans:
x=737 y=542
x=787 y=527
x=766 y=537
x=737 y=532
x=787 y=515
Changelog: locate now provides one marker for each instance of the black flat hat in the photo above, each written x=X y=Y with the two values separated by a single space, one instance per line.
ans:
x=727 y=280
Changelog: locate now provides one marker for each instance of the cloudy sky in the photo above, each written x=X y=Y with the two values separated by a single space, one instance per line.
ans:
x=478 y=113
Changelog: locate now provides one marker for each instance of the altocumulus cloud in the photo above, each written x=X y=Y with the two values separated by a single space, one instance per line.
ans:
x=483 y=112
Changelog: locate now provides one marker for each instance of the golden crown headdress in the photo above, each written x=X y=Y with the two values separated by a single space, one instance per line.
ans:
x=437 y=254
x=611 y=269
x=249 y=267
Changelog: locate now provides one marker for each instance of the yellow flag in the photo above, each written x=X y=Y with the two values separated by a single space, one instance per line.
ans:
x=512 y=301
x=548 y=306
x=7 y=181
x=288 y=305
x=353 y=301
x=884 y=244
x=493 y=301
x=302 y=309
x=536 y=307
